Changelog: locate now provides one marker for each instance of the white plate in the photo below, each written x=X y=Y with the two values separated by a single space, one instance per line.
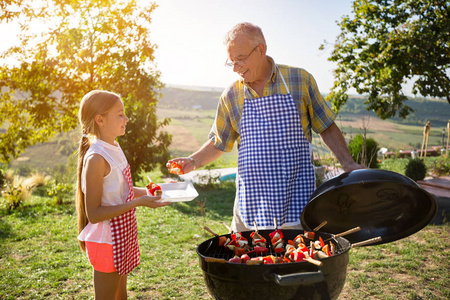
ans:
x=178 y=192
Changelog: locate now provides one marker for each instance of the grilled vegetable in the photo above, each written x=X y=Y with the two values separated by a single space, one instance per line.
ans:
x=258 y=240
x=176 y=169
x=309 y=235
x=245 y=258
x=260 y=250
x=298 y=256
x=322 y=244
x=235 y=260
x=276 y=238
x=154 y=189
x=238 y=251
x=222 y=240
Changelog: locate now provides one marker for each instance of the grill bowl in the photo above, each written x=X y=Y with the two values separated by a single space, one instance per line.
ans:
x=298 y=280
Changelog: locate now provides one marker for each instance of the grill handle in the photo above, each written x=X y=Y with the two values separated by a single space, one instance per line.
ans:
x=295 y=279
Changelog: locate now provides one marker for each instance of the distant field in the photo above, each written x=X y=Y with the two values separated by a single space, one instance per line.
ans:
x=387 y=133
x=190 y=129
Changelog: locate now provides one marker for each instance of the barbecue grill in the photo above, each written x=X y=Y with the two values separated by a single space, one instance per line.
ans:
x=296 y=280
x=382 y=203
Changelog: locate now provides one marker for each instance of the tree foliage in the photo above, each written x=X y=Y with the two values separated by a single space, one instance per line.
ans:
x=385 y=44
x=81 y=45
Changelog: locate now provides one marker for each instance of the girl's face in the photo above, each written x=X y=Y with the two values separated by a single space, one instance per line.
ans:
x=113 y=123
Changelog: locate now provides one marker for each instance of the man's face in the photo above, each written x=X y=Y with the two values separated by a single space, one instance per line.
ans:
x=247 y=58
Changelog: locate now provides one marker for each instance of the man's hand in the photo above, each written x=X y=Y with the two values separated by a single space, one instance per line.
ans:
x=184 y=162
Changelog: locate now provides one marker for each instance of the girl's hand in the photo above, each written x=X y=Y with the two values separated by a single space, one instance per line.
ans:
x=152 y=201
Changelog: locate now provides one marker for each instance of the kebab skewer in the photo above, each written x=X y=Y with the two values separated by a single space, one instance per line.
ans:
x=222 y=239
x=276 y=237
x=258 y=242
x=153 y=189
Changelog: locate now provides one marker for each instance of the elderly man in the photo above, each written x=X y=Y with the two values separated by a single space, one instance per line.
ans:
x=270 y=112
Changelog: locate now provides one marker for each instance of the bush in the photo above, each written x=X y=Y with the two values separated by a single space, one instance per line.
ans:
x=14 y=191
x=60 y=191
x=416 y=169
x=355 y=146
x=2 y=177
x=440 y=166
x=14 y=196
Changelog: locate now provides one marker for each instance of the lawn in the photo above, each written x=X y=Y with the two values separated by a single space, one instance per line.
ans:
x=40 y=258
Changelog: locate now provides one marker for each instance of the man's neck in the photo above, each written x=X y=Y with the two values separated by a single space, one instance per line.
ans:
x=259 y=85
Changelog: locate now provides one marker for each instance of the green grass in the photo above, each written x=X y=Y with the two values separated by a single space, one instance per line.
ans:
x=40 y=258
x=412 y=268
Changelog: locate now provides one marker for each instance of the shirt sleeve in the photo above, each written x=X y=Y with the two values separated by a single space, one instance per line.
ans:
x=223 y=134
x=322 y=116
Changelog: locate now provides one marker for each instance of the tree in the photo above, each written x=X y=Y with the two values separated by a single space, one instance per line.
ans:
x=86 y=45
x=388 y=42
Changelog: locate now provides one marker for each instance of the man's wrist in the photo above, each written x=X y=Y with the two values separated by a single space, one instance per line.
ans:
x=193 y=162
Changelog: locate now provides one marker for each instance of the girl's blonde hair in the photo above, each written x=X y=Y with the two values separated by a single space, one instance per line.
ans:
x=93 y=103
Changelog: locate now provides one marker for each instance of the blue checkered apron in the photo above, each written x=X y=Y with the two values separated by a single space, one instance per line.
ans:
x=275 y=173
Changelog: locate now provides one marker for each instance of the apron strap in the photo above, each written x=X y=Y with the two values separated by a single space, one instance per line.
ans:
x=246 y=91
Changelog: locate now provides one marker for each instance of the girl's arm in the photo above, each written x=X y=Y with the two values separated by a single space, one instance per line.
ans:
x=96 y=169
x=139 y=192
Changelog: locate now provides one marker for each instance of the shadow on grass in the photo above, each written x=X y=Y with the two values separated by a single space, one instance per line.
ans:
x=215 y=201
x=443 y=212
x=31 y=212
x=5 y=230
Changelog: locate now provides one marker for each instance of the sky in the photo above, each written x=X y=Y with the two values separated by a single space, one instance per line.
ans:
x=189 y=37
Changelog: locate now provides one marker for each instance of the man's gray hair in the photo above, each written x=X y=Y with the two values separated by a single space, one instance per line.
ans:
x=253 y=32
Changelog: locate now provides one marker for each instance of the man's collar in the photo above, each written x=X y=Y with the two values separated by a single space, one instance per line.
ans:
x=274 y=68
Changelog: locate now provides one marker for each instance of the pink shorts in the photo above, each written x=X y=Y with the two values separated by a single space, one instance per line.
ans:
x=101 y=256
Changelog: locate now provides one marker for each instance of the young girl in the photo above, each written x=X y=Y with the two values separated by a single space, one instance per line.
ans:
x=106 y=198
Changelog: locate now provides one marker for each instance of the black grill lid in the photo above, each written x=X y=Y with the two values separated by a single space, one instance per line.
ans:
x=383 y=203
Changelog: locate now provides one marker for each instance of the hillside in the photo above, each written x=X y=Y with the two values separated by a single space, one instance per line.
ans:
x=433 y=110
x=188 y=99
x=192 y=113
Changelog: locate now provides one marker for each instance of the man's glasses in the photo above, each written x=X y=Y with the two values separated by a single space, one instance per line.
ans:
x=231 y=64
